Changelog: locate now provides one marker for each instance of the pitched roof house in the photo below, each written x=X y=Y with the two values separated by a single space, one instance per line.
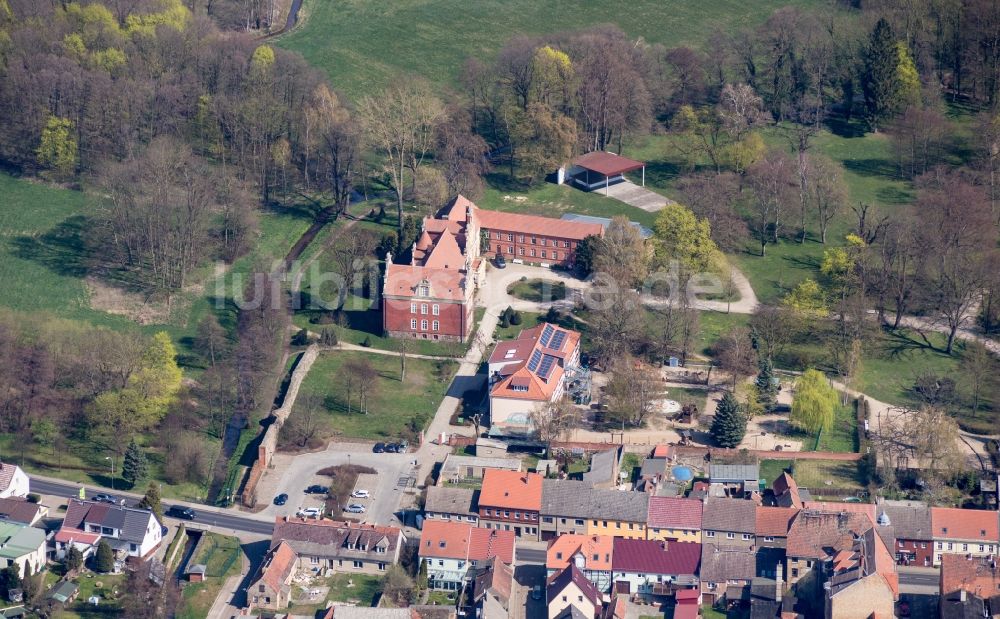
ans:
x=23 y=546
x=13 y=481
x=133 y=532
x=339 y=546
x=492 y=586
x=571 y=588
x=908 y=527
x=787 y=492
x=964 y=531
x=450 y=549
x=862 y=577
x=978 y=576
x=459 y=504
x=647 y=565
x=772 y=524
x=604 y=468
x=16 y=509
x=591 y=554
x=729 y=522
x=271 y=586
x=510 y=501
x=576 y=507
x=726 y=571
x=674 y=518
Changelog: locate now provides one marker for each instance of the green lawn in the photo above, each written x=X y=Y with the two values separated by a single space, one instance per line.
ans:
x=813 y=474
x=221 y=555
x=772 y=469
x=843 y=435
x=356 y=589
x=391 y=408
x=363 y=45
x=538 y=290
x=551 y=200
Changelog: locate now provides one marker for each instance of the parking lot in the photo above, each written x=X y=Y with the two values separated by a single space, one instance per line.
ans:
x=292 y=474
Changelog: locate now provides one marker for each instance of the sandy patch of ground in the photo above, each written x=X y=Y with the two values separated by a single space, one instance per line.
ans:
x=135 y=306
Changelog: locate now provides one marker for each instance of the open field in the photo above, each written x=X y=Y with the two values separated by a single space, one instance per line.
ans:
x=362 y=45
x=357 y=589
x=393 y=407
x=843 y=435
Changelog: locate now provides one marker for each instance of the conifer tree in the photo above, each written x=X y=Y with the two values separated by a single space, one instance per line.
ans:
x=135 y=467
x=730 y=423
x=881 y=76
x=767 y=390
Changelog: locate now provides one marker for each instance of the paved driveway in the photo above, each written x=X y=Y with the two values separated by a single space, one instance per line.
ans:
x=293 y=473
x=635 y=195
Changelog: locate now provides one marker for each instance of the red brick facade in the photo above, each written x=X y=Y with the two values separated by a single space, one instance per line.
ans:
x=417 y=318
x=914 y=552
x=530 y=249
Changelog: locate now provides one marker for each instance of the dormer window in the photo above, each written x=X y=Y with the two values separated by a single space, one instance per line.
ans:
x=424 y=289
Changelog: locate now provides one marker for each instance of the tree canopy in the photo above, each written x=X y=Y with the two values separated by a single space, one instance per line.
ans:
x=815 y=402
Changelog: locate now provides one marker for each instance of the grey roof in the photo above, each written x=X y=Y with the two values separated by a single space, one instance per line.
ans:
x=721 y=564
x=571 y=612
x=359 y=612
x=604 y=221
x=444 y=500
x=603 y=466
x=313 y=538
x=724 y=514
x=908 y=519
x=733 y=473
x=653 y=466
x=131 y=522
x=455 y=464
x=564 y=497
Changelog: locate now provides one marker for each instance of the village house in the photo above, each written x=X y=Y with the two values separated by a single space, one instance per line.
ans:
x=570 y=590
x=736 y=480
x=456 y=469
x=726 y=572
x=449 y=550
x=271 y=586
x=654 y=568
x=787 y=492
x=604 y=468
x=22 y=511
x=458 y=504
x=23 y=546
x=322 y=545
x=771 y=525
x=130 y=532
x=510 y=501
x=492 y=585
x=909 y=523
x=812 y=538
x=728 y=522
x=530 y=371
x=13 y=481
x=532 y=239
x=969 y=585
x=590 y=554
x=861 y=580
x=674 y=519
x=964 y=531
x=570 y=506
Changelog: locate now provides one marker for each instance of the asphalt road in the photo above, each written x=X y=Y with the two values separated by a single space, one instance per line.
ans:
x=929 y=579
x=530 y=556
x=224 y=520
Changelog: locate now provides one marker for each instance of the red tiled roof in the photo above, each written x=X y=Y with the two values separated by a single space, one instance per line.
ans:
x=64 y=536
x=867 y=509
x=402 y=281
x=653 y=557
x=674 y=513
x=562 y=549
x=608 y=164
x=786 y=484
x=446 y=253
x=968 y=524
x=511 y=490
x=973 y=574
x=814 y=534
x=534 y=225
x=278 y=566
x=774 y=521
x=517 y=373
x=486 y=543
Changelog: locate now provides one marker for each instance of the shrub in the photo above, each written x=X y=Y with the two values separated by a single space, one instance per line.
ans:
x=515 y=318
x=104 y=562
x=367 y=342
x=301 y=338
x=34 y=498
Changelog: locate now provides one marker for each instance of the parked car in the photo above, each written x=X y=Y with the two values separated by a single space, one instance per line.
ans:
x=317 y=489
x=402 y=446
x=108 y=498
x=281 y=499
x=536 y=592
x=179 y=511
x=500 y=262
x=355 y=508
x=309 y=512
x=391 y=448
x=379 y=448
x=361 y=494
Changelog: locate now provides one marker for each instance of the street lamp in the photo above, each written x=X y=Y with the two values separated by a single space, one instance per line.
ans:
x=112 y=458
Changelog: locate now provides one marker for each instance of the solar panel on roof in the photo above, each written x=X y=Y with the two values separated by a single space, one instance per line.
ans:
x=535 y=358
x=557 y=340
x=546 y=367
x=546 y=335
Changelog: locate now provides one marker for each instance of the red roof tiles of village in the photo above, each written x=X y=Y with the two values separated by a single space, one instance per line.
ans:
x=403 y=279
x=456 y=540
x=511 y=490
x=978 y=575
x=534 y=225
x=774 y=521
x=597 y=550
x=970 y=524
x=674 y=513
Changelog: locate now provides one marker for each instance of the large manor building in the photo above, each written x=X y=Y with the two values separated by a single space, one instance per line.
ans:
x=432 y=297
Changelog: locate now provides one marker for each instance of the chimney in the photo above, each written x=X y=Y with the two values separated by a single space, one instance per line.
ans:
x=963 y=596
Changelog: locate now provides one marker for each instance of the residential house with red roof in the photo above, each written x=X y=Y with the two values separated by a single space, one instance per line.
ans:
x=728 y=522
x=771 y=525
x=511 y=501
x=339 y=546
x=493 y=583
x=271 y=586
x=130 y=532
x=969 y=582
x=570 y=594
x=654 y=568
x=787 y=492
x=726 y=572
x=591 y=554
x=972 y=532
x=529 y=371
x=450 y=549
x=674 y=519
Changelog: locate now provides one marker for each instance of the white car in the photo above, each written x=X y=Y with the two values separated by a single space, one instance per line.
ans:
x=361 y=494
x=355 y=508
x=309 y=512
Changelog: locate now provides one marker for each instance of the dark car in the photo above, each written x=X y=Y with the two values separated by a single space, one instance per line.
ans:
x=108 y=498
x=317 y=489
x=178 y=511
x=379 y=448
x=500 y=262
x=391 y=448
x=281 y=499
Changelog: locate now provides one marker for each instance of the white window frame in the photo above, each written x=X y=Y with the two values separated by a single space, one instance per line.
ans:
x=423 y=325
x=413 y=324
x=436 y=309
x=435 y=325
